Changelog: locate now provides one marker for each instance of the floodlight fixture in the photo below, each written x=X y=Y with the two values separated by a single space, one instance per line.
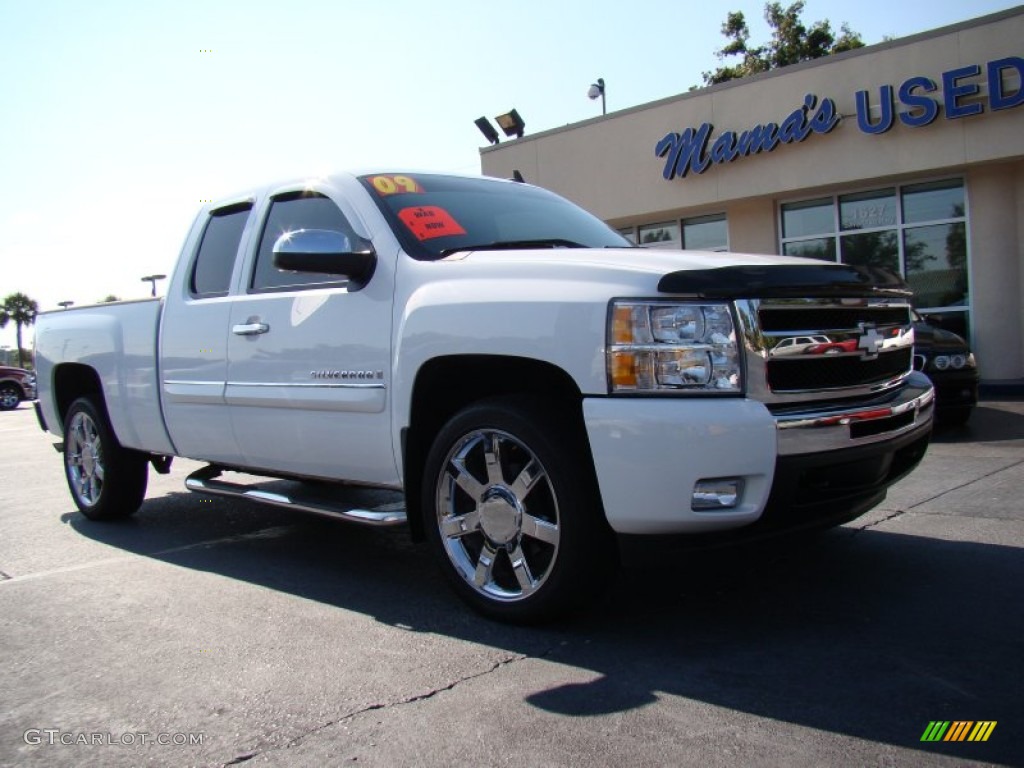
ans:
x=597 y=89
x=511 y=123
x=487 y=129
x=64 y=304
x=151 y=279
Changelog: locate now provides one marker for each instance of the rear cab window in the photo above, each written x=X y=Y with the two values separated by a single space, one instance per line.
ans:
x=215 y=259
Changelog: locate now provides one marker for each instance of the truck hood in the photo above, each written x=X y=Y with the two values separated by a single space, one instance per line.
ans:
x=643 y=260
x=700 y=273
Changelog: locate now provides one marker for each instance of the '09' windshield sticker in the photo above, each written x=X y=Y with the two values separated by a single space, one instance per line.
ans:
x=429 y=221
x=395 y=185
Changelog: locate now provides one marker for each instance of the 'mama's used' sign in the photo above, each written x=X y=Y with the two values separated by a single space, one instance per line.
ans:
x=913 y=104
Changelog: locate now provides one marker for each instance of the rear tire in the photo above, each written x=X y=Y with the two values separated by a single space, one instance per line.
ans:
x=107 y=481
x=511 y=508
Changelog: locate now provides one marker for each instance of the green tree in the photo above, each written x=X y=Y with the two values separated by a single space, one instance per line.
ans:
x=21 y=310
x=956 y=241
x=872 y=249
x=110 y=298
x=792 y=42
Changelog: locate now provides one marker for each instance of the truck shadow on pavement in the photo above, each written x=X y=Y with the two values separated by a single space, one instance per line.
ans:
x=990 y=423
x=865 y=633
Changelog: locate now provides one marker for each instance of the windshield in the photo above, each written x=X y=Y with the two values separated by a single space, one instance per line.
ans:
x=434 y=216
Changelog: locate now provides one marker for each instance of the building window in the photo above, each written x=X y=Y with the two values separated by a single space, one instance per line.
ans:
x=809 y=217
x=629 y=233
x=700 y=233
x=660 y=235
x=706 y=233
x=868 y=210
x=916 y=230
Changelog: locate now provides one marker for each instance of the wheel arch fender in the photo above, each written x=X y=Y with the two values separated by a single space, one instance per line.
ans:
x=72 y=381
x=445 y=385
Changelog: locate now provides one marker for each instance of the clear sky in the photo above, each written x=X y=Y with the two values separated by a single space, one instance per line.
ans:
x=118 y=118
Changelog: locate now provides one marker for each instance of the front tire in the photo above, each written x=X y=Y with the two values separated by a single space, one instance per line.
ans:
x=511 y=507
x=107 y=482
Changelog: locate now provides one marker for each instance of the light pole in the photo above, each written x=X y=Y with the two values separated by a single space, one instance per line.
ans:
x=597 y=89
x=151 y=279
x=65 y=304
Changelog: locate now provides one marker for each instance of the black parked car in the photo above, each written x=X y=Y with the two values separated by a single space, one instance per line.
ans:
x=948 y=361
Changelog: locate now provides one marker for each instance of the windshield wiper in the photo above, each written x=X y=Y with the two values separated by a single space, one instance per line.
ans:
x=504 y=245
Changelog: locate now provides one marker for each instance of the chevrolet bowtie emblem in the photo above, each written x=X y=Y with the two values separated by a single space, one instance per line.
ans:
x=869 y=341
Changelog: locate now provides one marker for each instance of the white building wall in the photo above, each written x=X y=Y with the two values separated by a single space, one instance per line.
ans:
x=995 y=268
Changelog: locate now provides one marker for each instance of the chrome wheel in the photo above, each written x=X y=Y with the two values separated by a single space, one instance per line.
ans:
x=83 y=452
x=497 y=514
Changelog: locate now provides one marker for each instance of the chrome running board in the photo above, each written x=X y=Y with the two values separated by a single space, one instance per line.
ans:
x=204 y=481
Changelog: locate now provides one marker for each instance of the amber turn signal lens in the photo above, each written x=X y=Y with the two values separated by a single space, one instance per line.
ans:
x=623 y=370
x=622 y=325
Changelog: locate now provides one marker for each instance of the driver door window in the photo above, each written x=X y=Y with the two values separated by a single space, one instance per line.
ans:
x=288 y=214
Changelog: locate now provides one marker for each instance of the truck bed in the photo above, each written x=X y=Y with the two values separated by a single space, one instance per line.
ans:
x=119 y=341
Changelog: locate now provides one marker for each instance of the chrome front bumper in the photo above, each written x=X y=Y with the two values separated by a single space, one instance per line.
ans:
x=907 y=409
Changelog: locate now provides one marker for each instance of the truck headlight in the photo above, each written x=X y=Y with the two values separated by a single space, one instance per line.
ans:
x=656 y=346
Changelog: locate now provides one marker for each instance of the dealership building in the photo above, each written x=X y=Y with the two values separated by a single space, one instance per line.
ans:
x=908 y=154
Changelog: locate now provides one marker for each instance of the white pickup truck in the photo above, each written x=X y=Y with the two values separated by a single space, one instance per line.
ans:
x=546 y=396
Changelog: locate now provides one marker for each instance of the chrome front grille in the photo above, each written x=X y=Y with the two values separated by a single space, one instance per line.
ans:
x=835 y=372
x=807 y=349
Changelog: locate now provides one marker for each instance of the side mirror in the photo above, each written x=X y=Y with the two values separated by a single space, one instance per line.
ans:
x=327 y=252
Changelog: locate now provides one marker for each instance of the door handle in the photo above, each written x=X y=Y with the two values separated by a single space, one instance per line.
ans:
x=250 y=329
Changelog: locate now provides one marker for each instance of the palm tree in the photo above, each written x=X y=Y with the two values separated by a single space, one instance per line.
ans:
x=22 y=310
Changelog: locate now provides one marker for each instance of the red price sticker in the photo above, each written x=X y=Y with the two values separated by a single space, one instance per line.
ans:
x=395 y=185
x=429 y=221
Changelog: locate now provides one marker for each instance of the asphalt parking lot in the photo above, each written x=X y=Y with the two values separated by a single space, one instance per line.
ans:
x=220 y=632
